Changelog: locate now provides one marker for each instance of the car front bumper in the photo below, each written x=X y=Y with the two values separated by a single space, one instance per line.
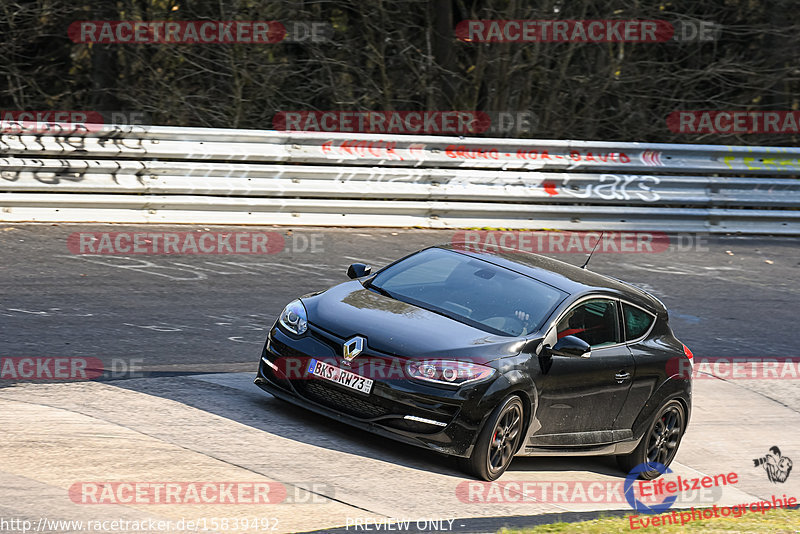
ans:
x=446 y=420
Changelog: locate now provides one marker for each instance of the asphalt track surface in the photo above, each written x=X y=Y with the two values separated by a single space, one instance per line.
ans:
x=180 y=337
x=728 y=296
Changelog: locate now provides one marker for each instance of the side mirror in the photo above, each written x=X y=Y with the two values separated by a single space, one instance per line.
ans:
x=357 y=270
x=571 y=346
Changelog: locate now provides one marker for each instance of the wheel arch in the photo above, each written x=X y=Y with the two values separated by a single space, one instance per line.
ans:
x=664 y=394
x=527 y=416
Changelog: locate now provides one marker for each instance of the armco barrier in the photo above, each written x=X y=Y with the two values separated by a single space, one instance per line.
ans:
x=214 y=176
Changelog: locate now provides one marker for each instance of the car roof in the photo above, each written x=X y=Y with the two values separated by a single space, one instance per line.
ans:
x=564 y=276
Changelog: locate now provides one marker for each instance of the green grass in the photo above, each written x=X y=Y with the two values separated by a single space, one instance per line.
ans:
x=781 y=521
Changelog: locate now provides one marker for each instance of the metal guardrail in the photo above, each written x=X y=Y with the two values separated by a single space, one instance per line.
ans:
x=214 y=176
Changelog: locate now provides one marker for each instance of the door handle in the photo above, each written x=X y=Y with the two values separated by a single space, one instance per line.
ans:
x=622 y=376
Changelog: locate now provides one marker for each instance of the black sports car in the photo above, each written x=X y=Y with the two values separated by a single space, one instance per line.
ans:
x=488 y=355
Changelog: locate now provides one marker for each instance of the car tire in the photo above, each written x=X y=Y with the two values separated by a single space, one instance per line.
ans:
x=497 y=442
x=660 y=443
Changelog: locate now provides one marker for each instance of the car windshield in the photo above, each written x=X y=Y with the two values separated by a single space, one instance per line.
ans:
x=470 y=290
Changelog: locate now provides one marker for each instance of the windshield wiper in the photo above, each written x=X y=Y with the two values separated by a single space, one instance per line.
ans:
x=380 y=290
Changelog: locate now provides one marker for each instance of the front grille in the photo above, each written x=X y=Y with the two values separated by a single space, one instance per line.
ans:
x=339 y=400
x=354 y=404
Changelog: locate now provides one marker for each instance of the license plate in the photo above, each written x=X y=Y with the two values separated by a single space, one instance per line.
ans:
x=340 y=376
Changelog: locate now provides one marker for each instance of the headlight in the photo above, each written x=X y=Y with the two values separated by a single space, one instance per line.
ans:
x=294 y=317
x=447 y=371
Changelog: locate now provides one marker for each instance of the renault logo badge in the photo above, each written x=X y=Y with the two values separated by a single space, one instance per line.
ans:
x=352 y=348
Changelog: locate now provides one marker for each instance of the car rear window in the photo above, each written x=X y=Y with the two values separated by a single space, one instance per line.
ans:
x=637 y=321
x=470 y=290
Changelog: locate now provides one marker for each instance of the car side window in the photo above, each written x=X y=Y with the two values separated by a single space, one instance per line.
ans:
x=594 y=321
x=637 y=321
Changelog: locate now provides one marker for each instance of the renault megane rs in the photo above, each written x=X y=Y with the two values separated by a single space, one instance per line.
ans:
x=485 y=356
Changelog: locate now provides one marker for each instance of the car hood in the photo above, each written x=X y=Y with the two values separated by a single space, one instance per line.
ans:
x=398 y=328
